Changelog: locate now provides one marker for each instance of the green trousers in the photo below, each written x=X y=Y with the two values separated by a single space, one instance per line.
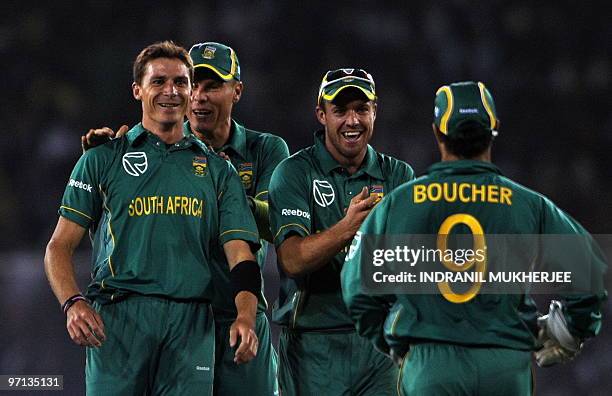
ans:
x=447 y=369
x=257 y=377
x=154 y=346
x=333 y=363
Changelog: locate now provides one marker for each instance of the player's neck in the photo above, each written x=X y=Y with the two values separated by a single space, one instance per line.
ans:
x=485 y=157
x=216 y=138
x=166 y=132
x=351 y=164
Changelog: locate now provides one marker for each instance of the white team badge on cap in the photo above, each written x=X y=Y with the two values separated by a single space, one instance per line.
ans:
x=135 y=163
x=323 y=192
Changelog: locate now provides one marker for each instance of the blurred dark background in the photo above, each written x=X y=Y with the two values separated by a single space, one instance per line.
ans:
x=67 y=68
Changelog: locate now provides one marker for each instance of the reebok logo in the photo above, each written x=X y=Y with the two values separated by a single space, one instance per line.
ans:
x=468 y=111
x=202 y=368
x=80 y=184
x=295 y=212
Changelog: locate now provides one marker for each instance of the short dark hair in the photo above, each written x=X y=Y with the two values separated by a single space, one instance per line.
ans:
x=162 y=49
x=468 y=140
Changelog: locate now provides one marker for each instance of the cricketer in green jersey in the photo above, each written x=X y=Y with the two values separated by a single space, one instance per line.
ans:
x=217 y=88
x=318 y=199
x=162 y=208
x=469 y=343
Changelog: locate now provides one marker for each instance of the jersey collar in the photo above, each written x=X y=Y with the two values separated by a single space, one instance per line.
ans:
x=193 y=139
x=237 y=140
x=370 y=164
x=135 y=133
x=138 y=132
x=463 y=167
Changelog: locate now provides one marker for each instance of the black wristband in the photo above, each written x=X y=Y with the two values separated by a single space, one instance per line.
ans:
x=70 y=302
x=245 y=276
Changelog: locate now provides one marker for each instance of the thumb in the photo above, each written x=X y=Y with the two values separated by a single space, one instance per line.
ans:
x=84 y=144
x=122 y=131
x=233 y=336
x=365 y=192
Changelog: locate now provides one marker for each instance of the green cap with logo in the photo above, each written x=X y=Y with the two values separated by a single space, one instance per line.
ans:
x=217 y=57
x=462 y=101
x=334 y=81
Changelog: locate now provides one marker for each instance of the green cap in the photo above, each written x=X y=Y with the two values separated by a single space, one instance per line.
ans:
x=217 y=57
x=463 y=101
x=335 y=81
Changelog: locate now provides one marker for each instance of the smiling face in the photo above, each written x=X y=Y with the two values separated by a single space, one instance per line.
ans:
x=349 y=125
x=212 y=101
x=164 y=91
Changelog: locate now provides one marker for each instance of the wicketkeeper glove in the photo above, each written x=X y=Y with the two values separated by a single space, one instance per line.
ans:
x=558 y=344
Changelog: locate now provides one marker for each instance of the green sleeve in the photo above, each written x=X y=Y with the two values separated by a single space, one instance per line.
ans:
x=235 y=218
x=369 y=312
x=289 y=199
x=402 y=174
x=274 y=151
x=582 y=311
x=82 y=200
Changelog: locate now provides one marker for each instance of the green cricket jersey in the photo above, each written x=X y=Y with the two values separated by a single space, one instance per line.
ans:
x=159 y=215
x=309 y=193
x=465 y=190
x=254 y=155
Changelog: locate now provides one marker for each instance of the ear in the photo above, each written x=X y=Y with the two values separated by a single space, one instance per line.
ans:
x=435 y=130
x=238 y=88
x=441 y=146
x=374 y=108
x=321 y=115
x=136 y=91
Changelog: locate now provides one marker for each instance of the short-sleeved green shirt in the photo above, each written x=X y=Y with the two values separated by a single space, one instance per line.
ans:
x=309 y=193
x=255 y=155
x=159 y=215
x=479 y=191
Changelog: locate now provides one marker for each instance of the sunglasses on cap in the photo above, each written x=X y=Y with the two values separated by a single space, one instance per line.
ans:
x=335 y=80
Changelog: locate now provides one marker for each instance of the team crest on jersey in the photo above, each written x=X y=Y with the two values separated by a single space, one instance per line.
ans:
x=135 y=163
x=378 y=190
x=200 y=165
x=245 y=171
x=323 y=192
x=209 y=52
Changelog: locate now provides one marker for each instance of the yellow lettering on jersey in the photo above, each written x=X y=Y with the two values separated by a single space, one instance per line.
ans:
x=447 y=194
x=185 y=206
x=466 y=192
x=506 y=196
x=419 y=193
x=170 y=207
x=147 y=206
x=463 y=197
x=176 y=205
x=479 y=191
x=492 y=193
x=138 y=206
x=434 y=192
